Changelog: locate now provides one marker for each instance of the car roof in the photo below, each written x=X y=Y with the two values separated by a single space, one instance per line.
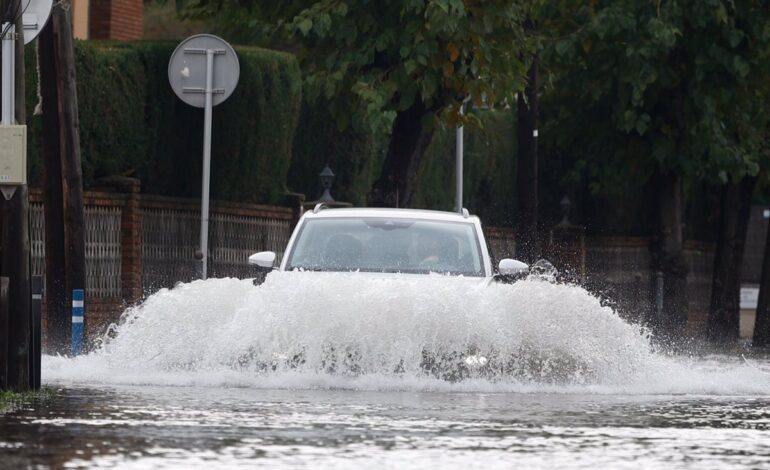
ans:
x=354 y=212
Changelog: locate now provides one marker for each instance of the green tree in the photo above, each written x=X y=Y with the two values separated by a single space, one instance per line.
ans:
x=397 y=66
x=662 y=91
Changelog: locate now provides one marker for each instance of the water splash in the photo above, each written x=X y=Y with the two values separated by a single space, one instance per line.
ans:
x=401 y=332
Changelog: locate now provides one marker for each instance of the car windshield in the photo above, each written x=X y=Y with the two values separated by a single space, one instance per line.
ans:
x=393 y=245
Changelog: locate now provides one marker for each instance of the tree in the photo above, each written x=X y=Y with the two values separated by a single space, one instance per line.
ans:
x=665 y=92
x=407 y=64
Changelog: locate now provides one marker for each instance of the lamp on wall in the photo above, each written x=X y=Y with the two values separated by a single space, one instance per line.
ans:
x=327 y=177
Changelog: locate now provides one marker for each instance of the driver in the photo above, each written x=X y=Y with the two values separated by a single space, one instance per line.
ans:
x=436 y=249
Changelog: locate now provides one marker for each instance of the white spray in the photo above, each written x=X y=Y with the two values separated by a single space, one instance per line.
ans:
x=402 y=332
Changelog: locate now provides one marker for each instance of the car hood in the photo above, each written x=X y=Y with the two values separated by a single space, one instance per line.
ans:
x=464 y=281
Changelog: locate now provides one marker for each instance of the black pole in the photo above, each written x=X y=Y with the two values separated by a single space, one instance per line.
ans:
x=3 y=333
x=15 y=265
x=35 y=347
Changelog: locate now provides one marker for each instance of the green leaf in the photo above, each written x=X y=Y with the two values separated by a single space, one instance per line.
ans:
x=304 y=26
x=741 y=67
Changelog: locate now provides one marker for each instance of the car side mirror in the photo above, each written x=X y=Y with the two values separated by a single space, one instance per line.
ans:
x=263 y=259
x=510 y=267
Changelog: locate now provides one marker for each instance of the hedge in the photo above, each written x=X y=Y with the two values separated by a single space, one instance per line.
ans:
x=131 y=122
x=355 y=157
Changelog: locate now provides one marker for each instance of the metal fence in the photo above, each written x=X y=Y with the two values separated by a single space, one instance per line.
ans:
x=169 y=241
x=619 y=270
x=234 y=237
x=102 y=237
x=102 y=234
x=170 y=238
x=37 y=238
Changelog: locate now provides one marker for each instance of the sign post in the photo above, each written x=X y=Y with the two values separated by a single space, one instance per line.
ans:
x=203 y=72
x=78 y=318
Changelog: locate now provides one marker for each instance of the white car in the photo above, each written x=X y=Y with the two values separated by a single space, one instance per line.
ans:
x=397 y=242
x=392 y=241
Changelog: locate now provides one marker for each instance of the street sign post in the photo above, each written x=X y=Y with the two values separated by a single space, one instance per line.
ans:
x=203 y=72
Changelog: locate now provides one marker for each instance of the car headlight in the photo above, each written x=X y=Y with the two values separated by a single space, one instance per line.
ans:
x=475 y=360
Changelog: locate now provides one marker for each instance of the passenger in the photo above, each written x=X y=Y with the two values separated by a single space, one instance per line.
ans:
x=343 y=252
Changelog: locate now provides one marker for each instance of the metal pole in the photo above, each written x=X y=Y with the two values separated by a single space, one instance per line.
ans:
x=659 y=295
x=5 y=333
x=459 y=138
x=8 y=74
x=78 y=318
x=35 y=347
x=206 y=161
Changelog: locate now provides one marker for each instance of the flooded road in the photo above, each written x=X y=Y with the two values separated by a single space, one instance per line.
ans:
x=388 y=373
x=199 y=427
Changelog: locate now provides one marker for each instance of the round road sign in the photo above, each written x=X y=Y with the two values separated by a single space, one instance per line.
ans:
x=34 y=17
x=187 y=69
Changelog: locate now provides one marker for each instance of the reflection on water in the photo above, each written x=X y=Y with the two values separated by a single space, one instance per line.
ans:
x=197 y=427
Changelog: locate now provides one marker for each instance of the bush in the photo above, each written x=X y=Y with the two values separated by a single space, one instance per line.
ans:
x=131 y=122
x=354 y=156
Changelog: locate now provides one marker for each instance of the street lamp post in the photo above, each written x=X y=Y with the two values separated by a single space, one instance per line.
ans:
x=327 y=177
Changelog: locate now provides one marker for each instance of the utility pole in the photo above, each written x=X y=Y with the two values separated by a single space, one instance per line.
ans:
x=527 y=243
x=62 y=175
x=15 y=264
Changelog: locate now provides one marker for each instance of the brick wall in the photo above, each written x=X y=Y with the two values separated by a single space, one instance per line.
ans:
x=116 y=19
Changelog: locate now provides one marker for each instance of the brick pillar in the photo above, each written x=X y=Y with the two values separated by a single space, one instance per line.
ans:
x=296 y=201
x=131 y=243
x=116 y=19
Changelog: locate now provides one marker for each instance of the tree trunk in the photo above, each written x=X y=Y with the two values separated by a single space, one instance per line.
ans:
x=762 y=323
x=62 y=177
x=724 y=309
x=668 y=257
x=398 y=178
x=527 y=243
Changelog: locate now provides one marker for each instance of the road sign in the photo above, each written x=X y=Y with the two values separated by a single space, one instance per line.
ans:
x=34 y=18
x=203 y=72
x=188 y=67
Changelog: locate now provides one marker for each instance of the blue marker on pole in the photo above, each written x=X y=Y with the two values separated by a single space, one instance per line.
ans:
x=78 y=315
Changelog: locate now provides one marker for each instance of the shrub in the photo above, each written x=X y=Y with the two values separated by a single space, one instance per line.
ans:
x=131 y=122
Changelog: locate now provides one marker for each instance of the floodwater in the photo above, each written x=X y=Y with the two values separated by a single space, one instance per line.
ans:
x=222 y=374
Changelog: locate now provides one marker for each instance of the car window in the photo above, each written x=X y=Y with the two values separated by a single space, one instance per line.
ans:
x=380 y=244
